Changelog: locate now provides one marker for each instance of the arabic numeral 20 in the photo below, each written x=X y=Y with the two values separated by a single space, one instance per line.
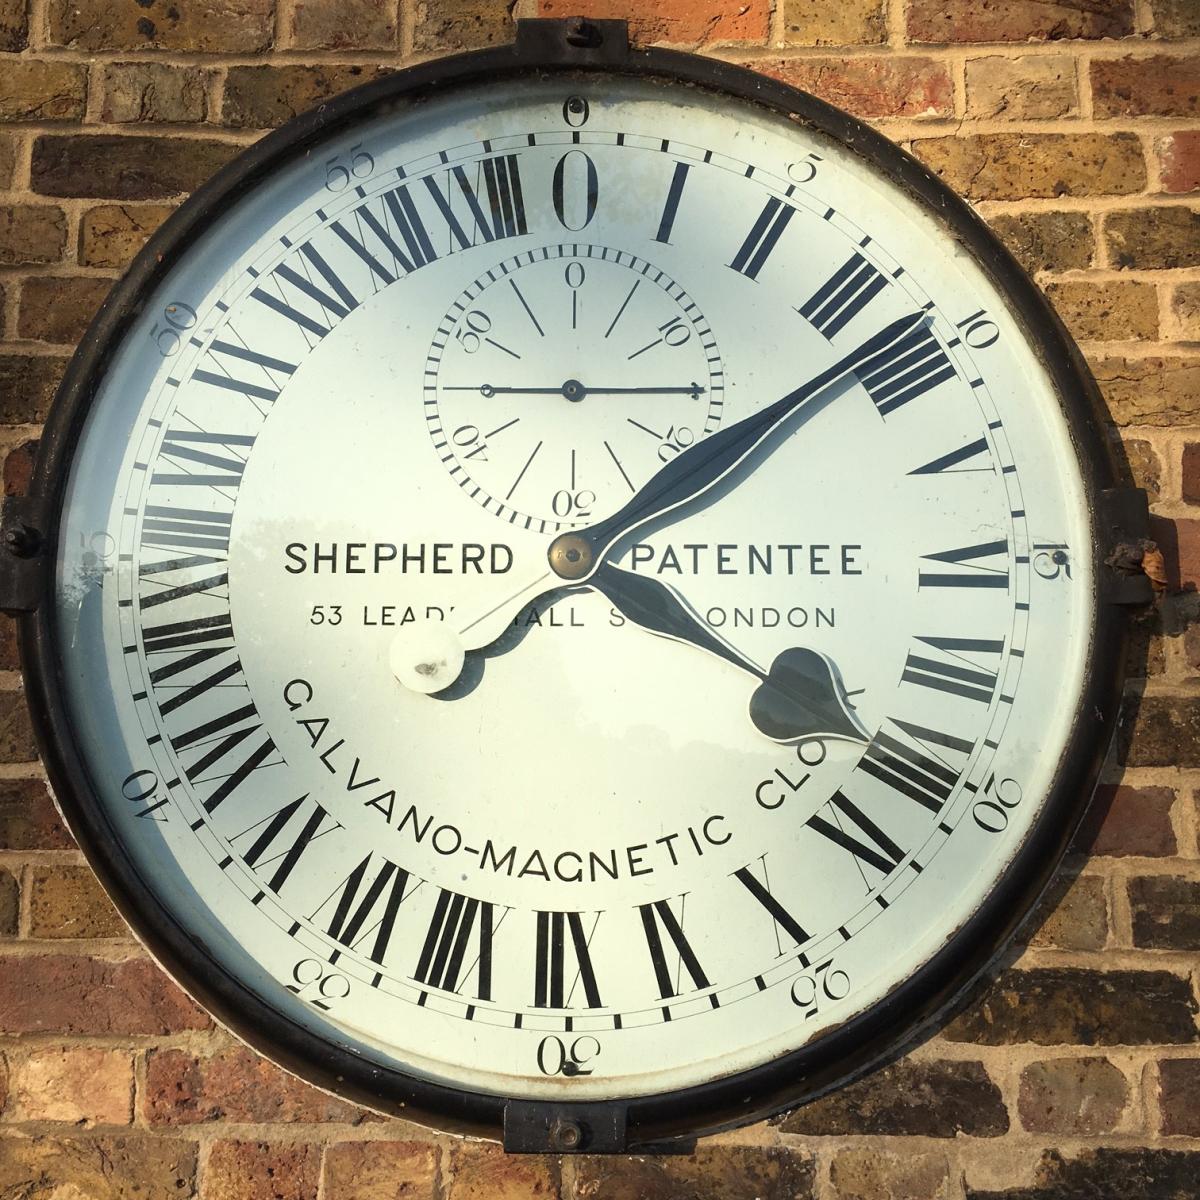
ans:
x=1000 y=797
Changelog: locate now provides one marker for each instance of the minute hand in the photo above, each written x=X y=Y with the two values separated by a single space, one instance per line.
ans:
x=578 y=554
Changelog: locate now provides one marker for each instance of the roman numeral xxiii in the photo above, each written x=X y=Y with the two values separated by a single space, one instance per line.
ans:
x=456 y=922
x=562 y=948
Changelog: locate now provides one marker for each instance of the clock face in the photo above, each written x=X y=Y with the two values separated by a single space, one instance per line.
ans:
x=723 y=772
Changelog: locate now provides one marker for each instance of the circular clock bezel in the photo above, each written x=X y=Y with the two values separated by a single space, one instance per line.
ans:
x=545 y=50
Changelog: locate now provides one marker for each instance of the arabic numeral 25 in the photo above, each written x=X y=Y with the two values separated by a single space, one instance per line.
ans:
x=314 y=984
x=811 y=990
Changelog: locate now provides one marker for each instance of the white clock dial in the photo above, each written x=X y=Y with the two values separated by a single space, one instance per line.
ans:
x=674 y=818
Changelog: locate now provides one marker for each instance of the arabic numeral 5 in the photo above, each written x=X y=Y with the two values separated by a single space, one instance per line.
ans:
x=322 y=988
x=167 y=334
x=139 y=789
x=558 y=1057
x=342 y=168
x=1000 y=797
x=811 y=990
x=1052 y=559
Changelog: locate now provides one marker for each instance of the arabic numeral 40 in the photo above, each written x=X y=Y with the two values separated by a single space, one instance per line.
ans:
x=141 y=789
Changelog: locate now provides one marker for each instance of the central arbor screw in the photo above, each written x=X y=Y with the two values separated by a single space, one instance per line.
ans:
x=570 y=556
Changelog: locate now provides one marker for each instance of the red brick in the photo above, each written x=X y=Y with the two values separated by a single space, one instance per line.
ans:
x=68 y=902
x=80 y=1084
x=14 y=24
x=1179 y=1096
x=262 y=1171
x=260 y=96
x=31 y=233
x=106 y=166
x=35 y=90
x=18 y=468
x=59 y=309
x=1137 y=86
x=16 y=733
x=847 y=23
x=1180 y=543
x=1166 y=912
x=129 y=1167
x=1021 y=166
x=710 y=1173
x=1077 y=920
x=111 y=234
x=73 y=994
x=681 y=21
x=872 y=87
x=1136 y=822
x=236 y=1085
x=28 y=819
x=1072 y=1095
x=235 y=26
x=347 y=25
x=873 y=1174
x=1179 y=161
x=1150 y=391
x=1191 y=472
x=479 y=1171
x=1017 y=20
x=380 y=1170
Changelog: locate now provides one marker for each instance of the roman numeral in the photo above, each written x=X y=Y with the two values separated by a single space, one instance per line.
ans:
x=905 y=370
x=958 y=675
x=334 y=300
x=851 y=288
x=505 y=215
x=905 y=766
x=759 y=243
x=671 y=208
x=365 y=906
x=217 y=739
x=761 y=891
x=551 y=954
x=263 y=852
x=868 y=843
x=399 y=230
x=191 y=530
x=443 y=957
x=266 y=388
x=977 y=575
x=187 y=446
x=949 y=464
x=187 y=644
x=659 y=914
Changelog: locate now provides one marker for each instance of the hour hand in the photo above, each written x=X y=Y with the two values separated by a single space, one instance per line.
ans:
x=798 y=698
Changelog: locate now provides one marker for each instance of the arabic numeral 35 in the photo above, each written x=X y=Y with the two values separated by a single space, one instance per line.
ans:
x=314 y=984
x=1000 y=797
x=811 y=990
x=558 y=1057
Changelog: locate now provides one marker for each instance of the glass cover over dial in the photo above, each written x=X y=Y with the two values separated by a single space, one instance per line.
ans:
x=711 y=778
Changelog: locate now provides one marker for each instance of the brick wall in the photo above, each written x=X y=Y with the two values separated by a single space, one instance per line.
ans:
x=1074 y=125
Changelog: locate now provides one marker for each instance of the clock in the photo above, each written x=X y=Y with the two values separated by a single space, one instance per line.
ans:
x=567 y=594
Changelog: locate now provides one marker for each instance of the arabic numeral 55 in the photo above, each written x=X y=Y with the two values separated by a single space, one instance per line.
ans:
x=1000 y=797
x=314 y=984
x=810 y=991
x=342 y=168
x=167 y=334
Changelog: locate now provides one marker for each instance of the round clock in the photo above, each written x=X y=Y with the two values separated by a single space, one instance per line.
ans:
x=566 y=590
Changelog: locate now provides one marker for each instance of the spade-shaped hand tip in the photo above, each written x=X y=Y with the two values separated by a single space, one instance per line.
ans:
x=802 y=697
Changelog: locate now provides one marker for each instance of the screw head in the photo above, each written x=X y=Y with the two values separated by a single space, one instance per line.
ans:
x=22 y=541
x=566 y=1135
x=570 y=556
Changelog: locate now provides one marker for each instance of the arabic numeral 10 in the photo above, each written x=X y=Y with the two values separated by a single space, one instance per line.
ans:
x=1000 y=797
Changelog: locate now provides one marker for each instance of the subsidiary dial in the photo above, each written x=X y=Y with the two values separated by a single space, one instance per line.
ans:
x=564 y=378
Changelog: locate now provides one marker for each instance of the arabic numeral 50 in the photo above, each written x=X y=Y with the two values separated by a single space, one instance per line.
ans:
x=810 y=991
x=314 y=984
x=1000 y=797
x=167 y=334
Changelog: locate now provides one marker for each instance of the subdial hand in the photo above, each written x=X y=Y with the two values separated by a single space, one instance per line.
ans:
x=694 y=471
x=798 y=698
x=575 y=391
